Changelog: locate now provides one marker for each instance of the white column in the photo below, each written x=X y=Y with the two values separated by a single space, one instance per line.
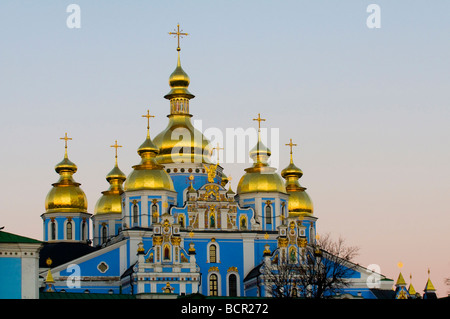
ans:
x=248 y=254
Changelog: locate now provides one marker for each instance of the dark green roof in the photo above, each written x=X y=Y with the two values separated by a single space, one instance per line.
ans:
x=6 y=237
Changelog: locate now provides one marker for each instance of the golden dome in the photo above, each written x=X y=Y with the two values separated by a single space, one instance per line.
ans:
x=299 y=202
x=260 y=177
x=148 y=174
x=179 y=82
x=180 y=142
x=110 y=201
x=66 y=196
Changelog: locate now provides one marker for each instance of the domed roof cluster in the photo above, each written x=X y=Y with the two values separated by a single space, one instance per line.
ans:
x=149 y=174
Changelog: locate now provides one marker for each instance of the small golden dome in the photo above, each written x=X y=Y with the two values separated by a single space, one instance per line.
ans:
x=110 y=201
x=148 y=174
x=260 y=181
x=260 y=177
x=299 y=202
x=66 y=195
x=179 y=82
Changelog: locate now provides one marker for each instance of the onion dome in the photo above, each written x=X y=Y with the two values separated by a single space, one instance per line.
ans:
x=180 y=142
x=260 y=177
x=299 y=202
x=110 y=201
x=66 y=196
x=179 y=82
x=148 y=174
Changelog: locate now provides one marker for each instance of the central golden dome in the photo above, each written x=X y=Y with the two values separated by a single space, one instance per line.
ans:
x=180 y=142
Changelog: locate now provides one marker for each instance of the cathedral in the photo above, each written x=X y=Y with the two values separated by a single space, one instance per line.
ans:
x=174 y=226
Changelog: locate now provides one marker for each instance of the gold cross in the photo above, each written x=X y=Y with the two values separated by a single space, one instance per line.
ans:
x=65 y=138
x=116 y=146
x=259 y=119
x=291 y=144
x=218 y=148
x=178 y=34
x=148 y=116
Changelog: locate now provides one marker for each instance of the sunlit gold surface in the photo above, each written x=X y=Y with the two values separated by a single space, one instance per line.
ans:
x=110 y=201
x=66 y=195
x=252 y=182
x=181 y=142
x=299 y=203
x=260 y=177
x=179 y=82
x=148 y=174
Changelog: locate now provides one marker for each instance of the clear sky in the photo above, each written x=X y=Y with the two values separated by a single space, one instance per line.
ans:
x=368 y=107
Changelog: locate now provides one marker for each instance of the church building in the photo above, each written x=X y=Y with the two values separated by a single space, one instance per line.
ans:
x=173 y=226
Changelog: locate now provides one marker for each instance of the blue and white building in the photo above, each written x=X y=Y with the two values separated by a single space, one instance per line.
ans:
x=172 y=226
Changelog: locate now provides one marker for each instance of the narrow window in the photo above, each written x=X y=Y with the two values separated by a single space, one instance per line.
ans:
x=166 y=253
x=154 y=213
x=181 y=221
x=212 y=254
x=213 y=289
x=53 y=230
x=232 y=285
x=83 y=231
x=135 y=214
x=268 y=214
x=69 y=230
x=104 y=234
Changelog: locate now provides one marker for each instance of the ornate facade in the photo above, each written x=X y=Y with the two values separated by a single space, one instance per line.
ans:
x=172 y=226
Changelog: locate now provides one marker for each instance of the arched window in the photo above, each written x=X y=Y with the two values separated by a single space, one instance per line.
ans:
x=53 y=230
x=154 y=213
x=283 y=210
x=166 y=255
x=69 y=230
x=243 y=223
x=232 y=285
x=104 y=234
x=135 y=214
x=212 y=254
x=181 y=221
x=268 y=214
x=212 y=220
x=213 y=288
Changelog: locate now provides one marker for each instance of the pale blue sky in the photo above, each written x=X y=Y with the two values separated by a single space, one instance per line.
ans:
x=369 y=108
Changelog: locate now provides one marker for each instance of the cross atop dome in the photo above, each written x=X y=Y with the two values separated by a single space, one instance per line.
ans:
x=65 y=138
x=178 y=34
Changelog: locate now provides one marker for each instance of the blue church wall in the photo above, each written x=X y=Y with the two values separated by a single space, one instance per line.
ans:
x=11 y=278
x=227 y=257
x=244 y=212
x=259 y=247
x=91 y=267
x=181 y=182
x=61 y=222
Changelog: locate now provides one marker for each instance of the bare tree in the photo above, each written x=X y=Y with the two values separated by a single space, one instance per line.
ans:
x=322 y=270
